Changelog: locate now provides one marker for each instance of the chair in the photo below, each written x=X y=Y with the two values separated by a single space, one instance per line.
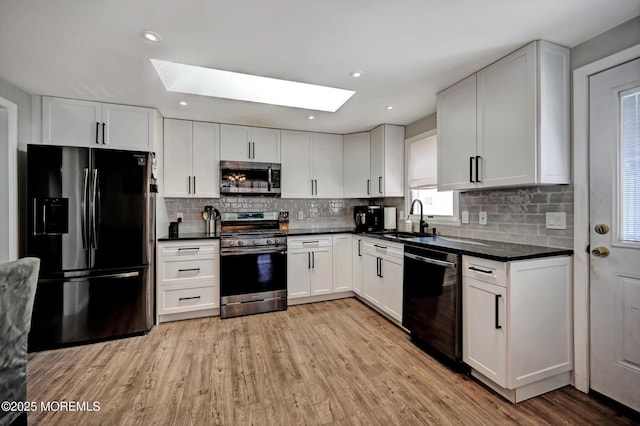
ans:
x=18 y=281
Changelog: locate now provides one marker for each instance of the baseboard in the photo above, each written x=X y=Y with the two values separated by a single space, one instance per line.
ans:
x=189 y=315
x=320 y=298
x=527 y=391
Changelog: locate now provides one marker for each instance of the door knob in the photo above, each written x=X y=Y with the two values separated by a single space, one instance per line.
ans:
x=601 y=228
x=600 y=251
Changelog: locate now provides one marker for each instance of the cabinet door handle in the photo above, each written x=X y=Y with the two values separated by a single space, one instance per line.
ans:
x=189 y=184
x=308 y=260
x=381 y=276
x=189 y=298
x=97 y=131
x=368 y=186
x=380 y=184
x=189 y=270
x=484 y=271
x=377 y=266
x=316 y=181
x=311 y=186
x=478 y=158
x=498 y=326
x=313 y=260
x=359 y=252
x=194 y=184
x=471 y=170
x=104 y=141
x=249 y=154
x=254 y=150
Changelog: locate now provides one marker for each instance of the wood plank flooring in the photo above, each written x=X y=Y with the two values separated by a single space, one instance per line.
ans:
x=325 y=363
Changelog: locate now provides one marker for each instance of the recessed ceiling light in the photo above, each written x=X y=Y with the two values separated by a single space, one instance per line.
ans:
x=389 y=107
x=151 y=36
x=311 y=117
x=356 y=74
x=195 y=80
x=183 y=103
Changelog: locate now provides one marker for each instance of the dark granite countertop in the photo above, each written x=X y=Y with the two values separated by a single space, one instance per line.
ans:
x=494 y=250
x=190 y=236
x=313 y=231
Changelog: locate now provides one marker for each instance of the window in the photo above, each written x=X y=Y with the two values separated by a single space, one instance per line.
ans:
x=422 y=179
x=630 y=165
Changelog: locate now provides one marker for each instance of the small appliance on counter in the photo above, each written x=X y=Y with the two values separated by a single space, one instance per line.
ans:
x=173 y=229
x=390 y=218
x=368 y=218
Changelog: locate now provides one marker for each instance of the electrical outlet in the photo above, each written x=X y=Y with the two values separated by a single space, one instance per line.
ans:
x=300 y=215
x=556 y=220
x=180 y=217
x=482 y=218
x=465 y=217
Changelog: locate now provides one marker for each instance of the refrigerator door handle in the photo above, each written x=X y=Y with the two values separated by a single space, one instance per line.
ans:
x=83 y=207
x=94 y=196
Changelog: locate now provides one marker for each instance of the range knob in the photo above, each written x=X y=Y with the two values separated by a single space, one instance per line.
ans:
x=269 y=242
x=240 y=243
x=278 y=240
x=230 y=243
x=255 y=242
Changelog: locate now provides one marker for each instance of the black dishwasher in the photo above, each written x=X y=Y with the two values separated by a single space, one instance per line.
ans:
x=432 y=308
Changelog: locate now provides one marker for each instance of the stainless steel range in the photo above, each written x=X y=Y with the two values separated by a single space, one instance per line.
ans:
x=253 y=264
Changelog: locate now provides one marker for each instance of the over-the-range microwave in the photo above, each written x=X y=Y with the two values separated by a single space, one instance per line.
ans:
x=249 y=178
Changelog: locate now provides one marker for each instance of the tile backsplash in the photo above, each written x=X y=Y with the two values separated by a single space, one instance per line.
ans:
x=517 y=215
x=316 y=213
x=513 y=215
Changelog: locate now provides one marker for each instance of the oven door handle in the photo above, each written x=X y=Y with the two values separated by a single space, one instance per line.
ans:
x=429 y=260
x=244 y=252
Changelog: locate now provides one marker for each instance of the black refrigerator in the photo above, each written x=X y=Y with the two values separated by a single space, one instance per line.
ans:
x=91 y=222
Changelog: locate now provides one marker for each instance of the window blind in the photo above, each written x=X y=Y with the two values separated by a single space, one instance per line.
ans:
x=630 y=165
x=423 y=163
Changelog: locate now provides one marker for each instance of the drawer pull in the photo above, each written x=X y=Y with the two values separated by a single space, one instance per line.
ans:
x=189 y=270
x=380 y=247
x=484 y=271
x=189 y=298
x=188 y=248
x=310 y=242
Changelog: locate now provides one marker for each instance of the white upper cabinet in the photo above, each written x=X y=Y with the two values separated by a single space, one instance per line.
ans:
x=311 y=165
x=241 y=143
x=520 y=135
x=357 y=165
x=128 y=127
x=456 y=134
x=191 y=165
x=72 y=122
x=387 y=161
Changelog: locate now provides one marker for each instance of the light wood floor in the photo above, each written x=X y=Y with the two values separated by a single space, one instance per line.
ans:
x=325 y=363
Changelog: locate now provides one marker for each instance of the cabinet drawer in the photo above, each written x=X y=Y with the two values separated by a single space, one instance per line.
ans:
x=187 y=248
x=489 y=271
x=383 y=248
x=311 y=241
x=175 y=271
x=183 y=299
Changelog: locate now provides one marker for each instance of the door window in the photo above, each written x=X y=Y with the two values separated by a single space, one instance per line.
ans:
x=630 y=165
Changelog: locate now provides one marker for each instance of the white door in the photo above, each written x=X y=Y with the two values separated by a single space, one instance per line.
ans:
x=71 y=122
x=357 y=256
x=327 y=165
x=356 y=165
x=296 y=165
x=615 y=202
x=321 y=271
x=206 y=166
x=376 y=154
x=342 y=263
x=177 y=158
x=298 y=274
x=128 y=127
x=371 y=281
x=265 y=145
x=392 y=270
x=234 y=143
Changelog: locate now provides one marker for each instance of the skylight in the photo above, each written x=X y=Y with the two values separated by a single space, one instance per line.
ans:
x=195 y=80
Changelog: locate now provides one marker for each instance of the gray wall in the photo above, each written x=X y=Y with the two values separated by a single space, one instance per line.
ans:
x=420 y=126
x=23 y=101
x=612 y=41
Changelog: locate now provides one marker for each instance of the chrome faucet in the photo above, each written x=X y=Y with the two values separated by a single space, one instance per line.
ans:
x=423 y=225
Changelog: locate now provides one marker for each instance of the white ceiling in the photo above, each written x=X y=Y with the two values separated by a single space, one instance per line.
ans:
x=408 y=50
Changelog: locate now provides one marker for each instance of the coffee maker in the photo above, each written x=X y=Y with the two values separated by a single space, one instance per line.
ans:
x=368 y=218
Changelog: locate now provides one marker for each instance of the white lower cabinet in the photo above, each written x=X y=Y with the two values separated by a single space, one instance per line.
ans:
x=309 y=266
x=187 y=279
x=382 y=276
x=357 y=260
x=517 y=334
x=342 y=263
